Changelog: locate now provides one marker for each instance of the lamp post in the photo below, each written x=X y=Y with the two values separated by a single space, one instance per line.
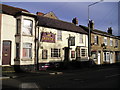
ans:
x=89 y=33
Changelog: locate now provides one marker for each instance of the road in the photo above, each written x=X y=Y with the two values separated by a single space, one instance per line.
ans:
x=103 y=77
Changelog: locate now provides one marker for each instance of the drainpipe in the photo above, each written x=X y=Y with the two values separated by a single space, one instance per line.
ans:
x=36 y=47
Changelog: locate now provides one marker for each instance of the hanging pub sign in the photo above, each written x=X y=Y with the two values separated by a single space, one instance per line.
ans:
x=71 y=41
x=47 y=37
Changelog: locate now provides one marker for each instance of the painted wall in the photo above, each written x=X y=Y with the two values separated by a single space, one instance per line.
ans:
x=8 y=31
x=0 y=41
x=60 y=44
x=26 y=39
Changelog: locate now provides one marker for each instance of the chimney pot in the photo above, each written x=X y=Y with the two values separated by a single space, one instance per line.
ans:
x=75 y=21
x=110 y=30
x=91 y=23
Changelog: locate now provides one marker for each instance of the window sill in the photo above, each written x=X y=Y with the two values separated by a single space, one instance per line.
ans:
x=17 y=35
x=26 y=59
x=17 y=59
x=28 y=35
x=55 y=57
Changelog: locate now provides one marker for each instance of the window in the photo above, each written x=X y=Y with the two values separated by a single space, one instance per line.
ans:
x=44 y=54
x=72 y=54
x=111 y=42
x=84 y=52
x=55 y=52
x=18 y=26
x=27 y=50
x=95 y=40
x=81 y=38
x=105 y=40
x=94 y=55
x=59 y=35
x=27 y=27
x=17 y=50
x=116 y=43
x=71 y=41
x=106 y=56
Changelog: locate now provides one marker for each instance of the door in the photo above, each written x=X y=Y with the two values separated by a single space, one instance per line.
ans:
x=111 y=57
x=66 y=53
x=6 y=53
x=99 y=58
x=77 y=53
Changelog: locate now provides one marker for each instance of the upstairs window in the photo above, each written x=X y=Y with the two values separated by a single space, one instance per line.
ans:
x=96 y=40
x=81 y=38
x=111 y=42
x=105 y=40
x=18 y=28
x=59 y=35
x=116 y=43
x=27 y=27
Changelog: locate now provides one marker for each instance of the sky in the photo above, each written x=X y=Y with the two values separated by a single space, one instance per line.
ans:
x=104 y=14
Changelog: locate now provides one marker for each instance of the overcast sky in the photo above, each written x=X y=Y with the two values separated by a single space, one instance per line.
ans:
x=104 y=14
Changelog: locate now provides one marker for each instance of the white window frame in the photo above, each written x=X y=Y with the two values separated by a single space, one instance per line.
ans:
x=116 y=43
x=85 y=52
x=59 y=35
x=18 y=25
x=27 y=29
x=105 y=41
x=27 y=46
x=111 y=42
x=96 y=40
x=81 y=38
x=106 y=56
x=55 y=52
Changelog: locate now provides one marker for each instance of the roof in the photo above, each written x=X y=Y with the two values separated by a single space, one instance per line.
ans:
x=11 y=10
x=59 y=24
x=96 y=31
x=50 y=15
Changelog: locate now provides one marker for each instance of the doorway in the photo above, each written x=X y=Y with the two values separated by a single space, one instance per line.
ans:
x=66 y=53
x=99 y=57
x=6 y=53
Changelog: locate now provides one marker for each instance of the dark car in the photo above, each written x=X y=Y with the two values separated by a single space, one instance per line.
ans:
x=50 y=65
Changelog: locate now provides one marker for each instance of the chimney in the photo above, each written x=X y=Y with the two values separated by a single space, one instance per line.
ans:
x=91 y=22
x=40 y=14
x=110 y=30
x=75 y=21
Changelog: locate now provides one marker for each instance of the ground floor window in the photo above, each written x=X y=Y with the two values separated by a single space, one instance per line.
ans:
x=55 y=52
x=106 y=56
x=117 y=56
x=72 y=54
x=27 y=50
x=94 y=55
x=44 y=54
x=83 y=52
x=17 y=50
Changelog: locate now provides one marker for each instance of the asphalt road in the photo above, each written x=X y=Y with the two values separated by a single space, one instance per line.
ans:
x=103 y=77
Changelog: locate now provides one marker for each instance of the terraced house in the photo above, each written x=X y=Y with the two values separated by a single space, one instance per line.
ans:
x=27 y=40
x=105 y=47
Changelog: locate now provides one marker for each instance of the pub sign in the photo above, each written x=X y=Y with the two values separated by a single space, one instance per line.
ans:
x=47 y=37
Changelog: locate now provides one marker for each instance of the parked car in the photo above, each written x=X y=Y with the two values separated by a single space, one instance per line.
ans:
x=48 y=66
